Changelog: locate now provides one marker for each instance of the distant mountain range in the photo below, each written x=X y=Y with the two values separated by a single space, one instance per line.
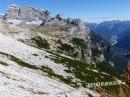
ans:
x=116 y=32
x=124 y=43
x=109 y=28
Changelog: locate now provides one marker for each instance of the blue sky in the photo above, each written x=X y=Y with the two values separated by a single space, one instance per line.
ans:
x=88 y=10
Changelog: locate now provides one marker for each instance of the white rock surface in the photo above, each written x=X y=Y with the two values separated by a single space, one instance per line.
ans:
x=17 y=81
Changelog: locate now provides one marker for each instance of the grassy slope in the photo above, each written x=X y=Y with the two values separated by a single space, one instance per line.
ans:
x=80 y=70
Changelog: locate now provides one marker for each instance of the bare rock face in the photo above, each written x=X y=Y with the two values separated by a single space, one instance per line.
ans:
x=76 y=22
x=73 y=29
x=26 y=13
x=59 y=17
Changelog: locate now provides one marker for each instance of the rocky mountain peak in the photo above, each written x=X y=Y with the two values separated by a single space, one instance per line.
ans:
x=20 y=15
x=26 y=13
